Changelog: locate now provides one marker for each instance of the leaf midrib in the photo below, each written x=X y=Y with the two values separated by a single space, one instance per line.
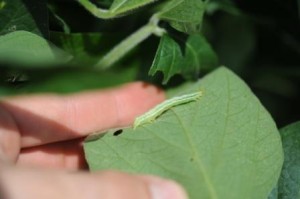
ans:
x=118 y=6
x=195 y=153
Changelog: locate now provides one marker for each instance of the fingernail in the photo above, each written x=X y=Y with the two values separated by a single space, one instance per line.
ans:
x=165 y=189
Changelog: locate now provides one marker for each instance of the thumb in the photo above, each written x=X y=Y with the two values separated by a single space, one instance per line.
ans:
x=32 y=184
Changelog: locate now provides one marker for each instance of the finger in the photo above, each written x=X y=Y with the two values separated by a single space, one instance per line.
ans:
x=61 y=155
x=29 y=184
x=9 y=137
x=49 y=118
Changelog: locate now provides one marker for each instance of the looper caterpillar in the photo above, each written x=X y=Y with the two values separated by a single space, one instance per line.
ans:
x=151 y=115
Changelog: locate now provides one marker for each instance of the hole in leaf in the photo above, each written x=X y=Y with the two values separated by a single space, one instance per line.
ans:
x=118 y=132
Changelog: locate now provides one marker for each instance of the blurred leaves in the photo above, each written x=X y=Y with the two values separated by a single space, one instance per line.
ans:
x=237 y=41
x=29 y=50
x=86 y=48
x=66 y=80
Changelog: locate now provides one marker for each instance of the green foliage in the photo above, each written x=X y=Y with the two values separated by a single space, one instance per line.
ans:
x=225 y=139
x=169 y=58
x=77 y=79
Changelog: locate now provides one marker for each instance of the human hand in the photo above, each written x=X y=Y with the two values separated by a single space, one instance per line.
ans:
x=45 y=131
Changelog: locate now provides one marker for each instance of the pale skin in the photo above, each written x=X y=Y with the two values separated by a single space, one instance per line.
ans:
x=41 y=152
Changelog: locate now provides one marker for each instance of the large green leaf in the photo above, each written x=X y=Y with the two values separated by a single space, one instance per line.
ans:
x=289 y=182
x=184 y=15
x=225 y=145
x=169 y=59
x=27 y=49
x=25 y=15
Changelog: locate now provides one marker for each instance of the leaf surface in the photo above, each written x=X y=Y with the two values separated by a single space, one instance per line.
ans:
x=224 y=145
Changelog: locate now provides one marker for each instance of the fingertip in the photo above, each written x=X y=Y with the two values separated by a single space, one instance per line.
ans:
x=146 y=90
x=136 y=98
x=160 y=188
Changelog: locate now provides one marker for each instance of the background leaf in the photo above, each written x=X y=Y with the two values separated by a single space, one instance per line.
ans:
x=167 y=59
x=27 y=50
x=25 y=15
x=224 y=145
x=289 y=181
x=198 y=55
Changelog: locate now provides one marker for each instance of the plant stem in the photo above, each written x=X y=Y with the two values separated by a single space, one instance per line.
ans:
x=98 y=12
x=130 y=42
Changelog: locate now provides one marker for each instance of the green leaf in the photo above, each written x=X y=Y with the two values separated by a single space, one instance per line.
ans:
x=198 y=55
x=184 y=15
x=289 y=181
x=167 y=59
x=225 y=145
x=28 y=50
x=23 y=15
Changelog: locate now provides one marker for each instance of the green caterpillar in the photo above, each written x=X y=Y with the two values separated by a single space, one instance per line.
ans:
x=151 y=115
